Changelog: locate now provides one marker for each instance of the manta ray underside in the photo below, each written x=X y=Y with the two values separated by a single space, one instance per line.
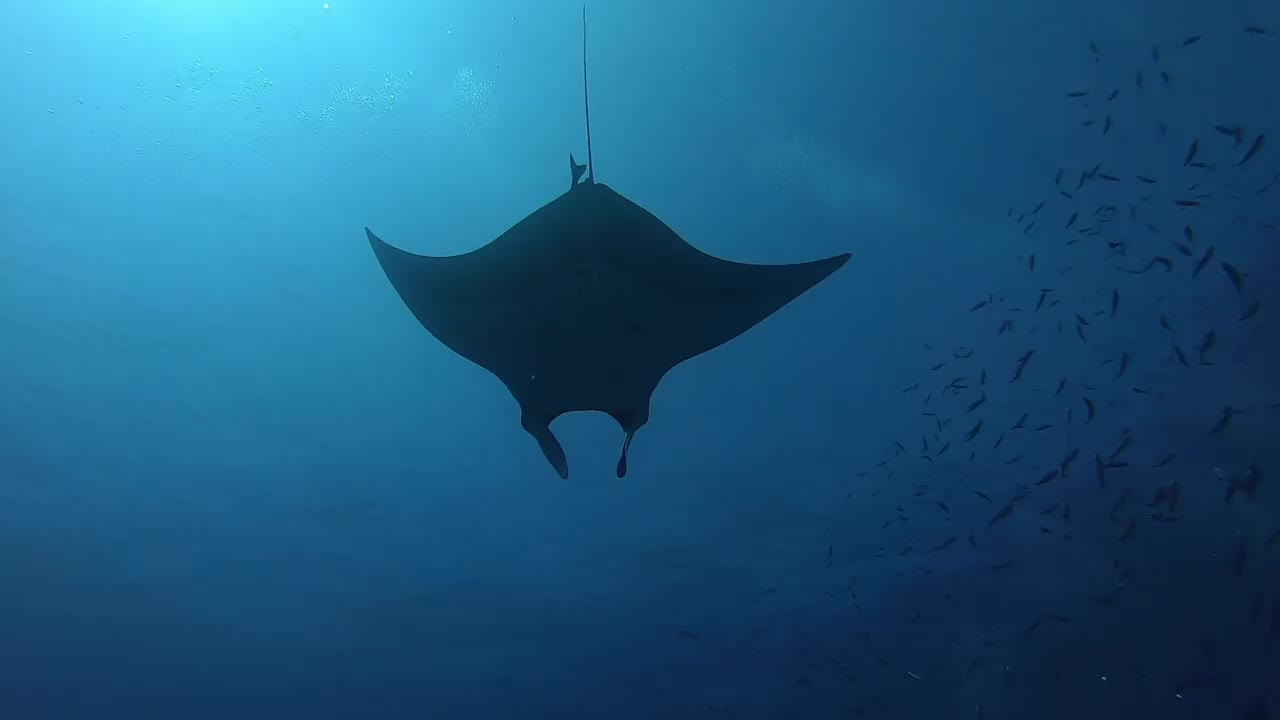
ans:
x=587 y=303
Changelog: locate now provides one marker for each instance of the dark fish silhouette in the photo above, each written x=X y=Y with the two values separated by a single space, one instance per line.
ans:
x=1235 y=132
x=1224 y=419
x=1021 y=365
x=588 y=302
x=1250 y=311
x=1191 y=153
x=1258 y=143
x=1203 y=262
x=1237 y=280
x=1190 y=41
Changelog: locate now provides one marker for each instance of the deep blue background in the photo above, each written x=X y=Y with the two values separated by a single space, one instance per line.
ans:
x=238 y=480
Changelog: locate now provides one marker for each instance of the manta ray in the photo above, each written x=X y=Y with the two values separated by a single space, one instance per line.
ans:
x=588 y=302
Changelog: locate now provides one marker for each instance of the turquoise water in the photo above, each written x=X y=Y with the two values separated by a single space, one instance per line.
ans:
x=238 y=479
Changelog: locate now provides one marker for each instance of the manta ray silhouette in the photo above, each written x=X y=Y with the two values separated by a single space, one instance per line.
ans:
x=587 y=303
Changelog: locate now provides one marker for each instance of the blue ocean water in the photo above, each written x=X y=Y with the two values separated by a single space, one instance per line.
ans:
x=238 y=479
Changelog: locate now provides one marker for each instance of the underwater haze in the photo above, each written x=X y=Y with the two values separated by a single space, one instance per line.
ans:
x=1016 y=459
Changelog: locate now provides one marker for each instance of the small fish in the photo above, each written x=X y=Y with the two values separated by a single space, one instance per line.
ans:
x=1254 y=149
x=1224 y=419
x=1071 y=220
x=1004 y=512
x=1237 y=280
x=1119 y=503
x=977 y=403
x=1130 y=530
x=1089 y=410
x=1061 y=384
x=1191 y=153
x=1185 y=203
x=1077 y=93
x=1234 y=131
x=1115 y=300
x=1256 y=30
x=1206 y=343
x=1100 y=471
x=1203 y=262
x=1021 y=365
x=1137 y=80
x=1113 y=95
x=1124 y=364
x=1190 y=41
x=973 y=432
x=1147 y=180
x=1022 y=422
x=1109 y=597
x=1182 y=357
x=1124 y=445
x=1065 y=465
x=1106 y=128
x=1047 y=477
x=1250 y=311
x=1161 y=494
x=981 y=304
x=982 y=495
x=1163 y=461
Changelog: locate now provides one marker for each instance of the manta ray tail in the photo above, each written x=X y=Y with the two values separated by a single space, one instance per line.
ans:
x=586 y=105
